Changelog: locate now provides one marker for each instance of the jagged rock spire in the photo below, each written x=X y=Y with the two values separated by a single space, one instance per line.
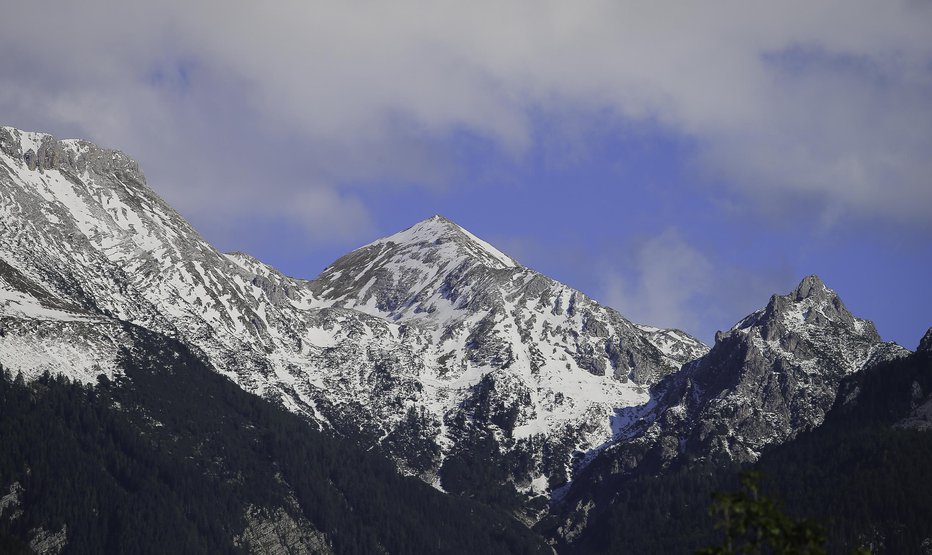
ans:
x=811 y=286
x=925 y=344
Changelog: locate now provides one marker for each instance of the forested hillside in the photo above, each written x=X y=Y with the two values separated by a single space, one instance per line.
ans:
x=862 y=476
x=174 y=458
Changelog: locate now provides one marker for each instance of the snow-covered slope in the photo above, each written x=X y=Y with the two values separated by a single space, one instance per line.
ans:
x=417 y=341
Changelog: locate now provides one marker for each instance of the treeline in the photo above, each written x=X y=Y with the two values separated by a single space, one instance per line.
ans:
x=168 y=458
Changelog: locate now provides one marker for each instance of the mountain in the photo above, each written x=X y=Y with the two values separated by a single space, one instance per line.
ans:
x=171 y=457
x=427 y=343
x=860 y=477
x=775 y=374
x=470 y=372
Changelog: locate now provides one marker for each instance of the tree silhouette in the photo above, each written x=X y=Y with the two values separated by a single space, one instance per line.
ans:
x=752 y=523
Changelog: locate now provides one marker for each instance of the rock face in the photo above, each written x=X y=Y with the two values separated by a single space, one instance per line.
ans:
x=10 y=502
x=41 y=541
x=775 y=373
x=920 y=416
x=278 y=533
x=49 y=543
x=925 y=344
x=418 y=342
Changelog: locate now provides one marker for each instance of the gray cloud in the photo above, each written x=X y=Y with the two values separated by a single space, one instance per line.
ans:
x=830 y=102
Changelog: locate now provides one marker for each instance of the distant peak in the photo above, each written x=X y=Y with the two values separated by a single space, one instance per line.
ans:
x=437 y=230
x=429 y=230
x=438 y=222
x=811 y=286
x=43 y=151
x=811 y=305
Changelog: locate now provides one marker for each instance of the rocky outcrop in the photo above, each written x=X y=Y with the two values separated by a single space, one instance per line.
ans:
x=775 y=373
x=42 y=152
x=44 y=542
x=10 y=502
x=925 y=344
x=276 y=532
x=920 y=418
x=772 y=375
x=41 y=541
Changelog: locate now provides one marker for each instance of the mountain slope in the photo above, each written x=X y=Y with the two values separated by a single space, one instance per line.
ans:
x=172 y=458
x=422 y=343
x=860 y=475
x=480 y=376
x=774 y=374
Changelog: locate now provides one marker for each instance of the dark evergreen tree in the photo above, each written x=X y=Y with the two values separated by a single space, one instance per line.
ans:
x=864 y=480
x=170 y=456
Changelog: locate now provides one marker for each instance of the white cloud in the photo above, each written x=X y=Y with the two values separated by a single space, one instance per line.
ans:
x=826 y=101
x=666 y=280
x=668 y=277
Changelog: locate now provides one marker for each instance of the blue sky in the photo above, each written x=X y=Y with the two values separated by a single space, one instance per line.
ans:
x=678 y=163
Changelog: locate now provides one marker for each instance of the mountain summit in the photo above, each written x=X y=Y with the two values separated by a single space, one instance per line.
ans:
x=469 y=370
x=811 y=306
x=424 y=342
x=774 y=374
x=445 y=239
x=479 y=375
x=398 y=274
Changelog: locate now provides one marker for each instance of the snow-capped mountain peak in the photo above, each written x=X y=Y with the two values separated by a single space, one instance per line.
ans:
x=774 y=373
x=418 y=341
x=808 y=308
x=447 y=238
x=415 y=271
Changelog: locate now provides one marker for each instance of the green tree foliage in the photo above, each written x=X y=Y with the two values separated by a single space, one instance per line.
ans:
x=752 y=524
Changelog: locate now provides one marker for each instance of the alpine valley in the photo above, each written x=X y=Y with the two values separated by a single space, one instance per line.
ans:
x=425 y=393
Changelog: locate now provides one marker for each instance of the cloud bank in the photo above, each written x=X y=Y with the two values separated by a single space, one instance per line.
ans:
x=294 y=119
x=827 y=102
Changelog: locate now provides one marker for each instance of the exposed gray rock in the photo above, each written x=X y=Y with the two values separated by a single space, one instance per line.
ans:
x=31 y=159
x=775 y=373
x=74 y=157
x=10 y=144
x=885 y=352
x=920 y=418
x=44 y=542
x=10 y=502
x=772 y=375
x=925 y=344
x=276 y=532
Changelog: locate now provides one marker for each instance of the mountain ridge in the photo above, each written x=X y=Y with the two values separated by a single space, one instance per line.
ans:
x=470 y=371
x=774 y=374
x=445 y=341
